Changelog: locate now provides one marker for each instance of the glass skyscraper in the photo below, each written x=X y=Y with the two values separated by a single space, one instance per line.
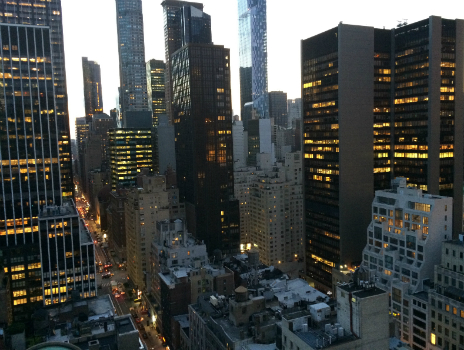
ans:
x=132 y=71
x=48 y=13
x=46 y=252
x=93 y=99
x=184 y=22
x=203 y=127
x=252 y=28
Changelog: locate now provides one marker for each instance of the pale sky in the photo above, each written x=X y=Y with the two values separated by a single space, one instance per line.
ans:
x=90 y=31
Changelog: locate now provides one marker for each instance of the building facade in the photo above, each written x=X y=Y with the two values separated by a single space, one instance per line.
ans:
x=278 y=108
x=32 y=175
x=130 y=151
x=93 y=95
x=252 y=27
x=337 y=120
x=175 y=36
x=156 y=88
x=294 y=110
x=445 y=304
x=49 y=14
x=203 y=126
x=151 y=201
x=132 y=71
x=404 y=244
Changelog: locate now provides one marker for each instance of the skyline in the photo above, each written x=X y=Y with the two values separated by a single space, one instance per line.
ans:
x=98 y=42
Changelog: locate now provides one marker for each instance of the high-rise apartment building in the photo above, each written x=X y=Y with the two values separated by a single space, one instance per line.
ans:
x=184 y=22
x=49 y=14
x=151 y=201
x=446 y=307
x=278 y=108
x=156 y=89
x=130 y=152
x=36 y=216
x=132 y=71
x=203 y=126
x=409 y=110
x=276 y=227
x=252 y=28
x=93 y=95
x=405 y=236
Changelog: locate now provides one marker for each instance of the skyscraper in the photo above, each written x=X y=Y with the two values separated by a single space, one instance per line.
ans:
x=184 y=22
x=93 y=99
x=203 y=126
x=293 y=110
x=350 y=77
x=49 y=14
x=278 y=108
x=252 y=28
x=156 y=89
x=130 y=150
x=46 y=252
x=132 y=70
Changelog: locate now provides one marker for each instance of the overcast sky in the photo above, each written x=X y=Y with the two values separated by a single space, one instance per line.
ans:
x=90 y=31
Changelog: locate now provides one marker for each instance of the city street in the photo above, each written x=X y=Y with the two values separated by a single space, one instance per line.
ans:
x=124 y=302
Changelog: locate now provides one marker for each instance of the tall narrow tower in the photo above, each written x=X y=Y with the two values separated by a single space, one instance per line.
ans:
x=132 y=71
x=252 y=31
x=48 y=13
x=93 y=99
x=184 y=22
x=203 y=126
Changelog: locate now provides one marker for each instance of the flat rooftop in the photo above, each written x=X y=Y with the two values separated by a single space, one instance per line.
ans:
x=361 y=292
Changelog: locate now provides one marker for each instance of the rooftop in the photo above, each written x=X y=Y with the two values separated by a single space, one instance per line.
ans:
x=365 y=291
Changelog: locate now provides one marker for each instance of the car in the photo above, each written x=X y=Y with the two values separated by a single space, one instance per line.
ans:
x=117 y=295
x=138 y=320
x=144 y=335
x=106 y=275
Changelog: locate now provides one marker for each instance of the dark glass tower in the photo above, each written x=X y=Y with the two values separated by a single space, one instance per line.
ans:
x=184 y=22
x=48 y=13
x=203 y=125
x=252 y=28
x=132 y=70
x=405 y=88
x=278 y=108
x=46 y=253
x=156 y=88
x=93 y=99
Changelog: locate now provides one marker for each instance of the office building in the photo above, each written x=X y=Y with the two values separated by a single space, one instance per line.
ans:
x=130 y=151
x=32 y=174
x=49 y=14
x=166 y=145
x=156 y=88
x=294 y=110
x=132 y=71
x=82 y=130
x=404 y=243
x=278 y=108
x=407 y=140
x=93 y=95
x=252 y=27
x=184 y=22
x=203 y=126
